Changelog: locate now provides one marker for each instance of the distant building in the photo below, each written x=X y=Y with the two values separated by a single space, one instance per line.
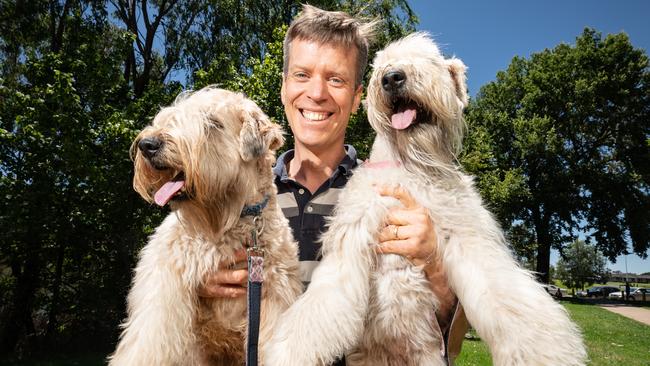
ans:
x=618 y=276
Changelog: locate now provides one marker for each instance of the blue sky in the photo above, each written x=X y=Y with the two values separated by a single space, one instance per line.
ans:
x=486 y=35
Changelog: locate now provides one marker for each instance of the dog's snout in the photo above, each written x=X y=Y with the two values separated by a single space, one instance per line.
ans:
x=150 y=146
x=393 y=80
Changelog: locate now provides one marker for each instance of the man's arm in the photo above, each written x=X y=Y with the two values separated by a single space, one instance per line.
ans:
x=440 y=287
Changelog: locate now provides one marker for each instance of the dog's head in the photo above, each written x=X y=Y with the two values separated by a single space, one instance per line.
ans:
x=416 y=97
x=206 y=145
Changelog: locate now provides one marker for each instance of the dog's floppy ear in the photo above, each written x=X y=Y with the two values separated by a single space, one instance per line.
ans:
x=258 y=133
x=457 y=71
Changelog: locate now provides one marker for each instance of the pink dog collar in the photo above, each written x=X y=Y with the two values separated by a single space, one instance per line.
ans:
x=384 y=164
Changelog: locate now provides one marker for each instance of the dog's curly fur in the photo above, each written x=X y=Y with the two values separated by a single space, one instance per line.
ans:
x=380 y=309
x=222 y=145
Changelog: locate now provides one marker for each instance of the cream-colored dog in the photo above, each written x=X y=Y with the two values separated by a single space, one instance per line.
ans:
x=209 y=155
x=379 y=310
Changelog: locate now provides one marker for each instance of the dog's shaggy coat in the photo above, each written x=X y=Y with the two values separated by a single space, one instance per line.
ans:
x=210 y=154
x=380 y=309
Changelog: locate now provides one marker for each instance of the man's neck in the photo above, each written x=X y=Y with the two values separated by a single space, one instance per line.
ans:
x=311 y=169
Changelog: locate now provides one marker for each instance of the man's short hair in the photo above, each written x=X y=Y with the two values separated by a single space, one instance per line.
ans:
x=332 y=28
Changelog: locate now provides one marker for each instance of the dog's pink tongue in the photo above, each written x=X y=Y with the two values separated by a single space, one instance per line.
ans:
x=167 y=191
x=403 y=119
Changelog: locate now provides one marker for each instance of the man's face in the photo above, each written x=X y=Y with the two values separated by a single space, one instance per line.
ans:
x=319 y=93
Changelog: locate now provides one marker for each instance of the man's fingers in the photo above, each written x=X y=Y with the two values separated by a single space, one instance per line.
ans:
x=398 y=192
x=230 y=277
x=222 y=291
x=396 y=232
x=414 y=216
x=225 y=283
x=400 y=247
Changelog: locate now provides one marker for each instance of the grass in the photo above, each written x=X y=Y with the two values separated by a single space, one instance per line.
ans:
x=611 y=339
x=474 y=352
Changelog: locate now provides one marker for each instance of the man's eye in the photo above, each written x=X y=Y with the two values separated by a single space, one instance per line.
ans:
x=337 y=81
x=300 y=75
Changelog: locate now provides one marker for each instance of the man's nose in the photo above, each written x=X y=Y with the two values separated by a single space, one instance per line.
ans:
x=317 y=89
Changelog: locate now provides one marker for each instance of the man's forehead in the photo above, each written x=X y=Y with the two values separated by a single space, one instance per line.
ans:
x=317 y=49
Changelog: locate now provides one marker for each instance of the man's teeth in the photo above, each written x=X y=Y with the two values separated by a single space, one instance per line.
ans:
x=314 y=116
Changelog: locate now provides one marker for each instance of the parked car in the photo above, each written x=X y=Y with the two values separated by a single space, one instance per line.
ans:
x=601 y=291
x=637 y=295
x=581 y=293
x=555 y=291
x=618 y=295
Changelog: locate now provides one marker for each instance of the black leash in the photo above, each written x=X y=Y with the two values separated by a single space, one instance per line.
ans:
x=255 y=279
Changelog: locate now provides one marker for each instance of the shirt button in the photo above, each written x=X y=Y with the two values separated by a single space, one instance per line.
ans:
x=301 y=191
x=310 y=209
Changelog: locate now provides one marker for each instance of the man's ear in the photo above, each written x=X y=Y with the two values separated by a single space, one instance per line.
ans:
x=258 y=133
x=357 y=98
x=457 y=71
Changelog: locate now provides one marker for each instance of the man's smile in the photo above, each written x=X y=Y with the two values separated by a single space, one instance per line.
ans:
x=313 y=115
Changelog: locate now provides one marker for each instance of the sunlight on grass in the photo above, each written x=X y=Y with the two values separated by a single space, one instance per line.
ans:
x=611 y=339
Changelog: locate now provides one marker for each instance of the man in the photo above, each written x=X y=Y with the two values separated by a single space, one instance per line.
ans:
x=325 y=55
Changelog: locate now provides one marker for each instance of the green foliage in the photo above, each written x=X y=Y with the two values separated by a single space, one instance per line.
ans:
x=71 y=223
x=262 y=84
x=78 y=80
x=559 y=145
x=581 y=265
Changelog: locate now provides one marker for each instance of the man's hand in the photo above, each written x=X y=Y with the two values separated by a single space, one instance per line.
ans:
x=409 y=232
x=227 y=282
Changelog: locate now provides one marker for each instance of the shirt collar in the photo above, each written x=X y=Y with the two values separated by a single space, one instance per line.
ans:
x=346 y=165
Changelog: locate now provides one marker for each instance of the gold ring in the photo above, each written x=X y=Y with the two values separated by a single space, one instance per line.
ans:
x=395 y=232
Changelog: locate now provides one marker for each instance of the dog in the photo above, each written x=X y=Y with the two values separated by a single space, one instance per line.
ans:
x=379 y=309
x=208 y=156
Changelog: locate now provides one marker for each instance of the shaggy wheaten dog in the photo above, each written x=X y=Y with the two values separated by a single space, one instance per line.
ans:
x=379 y=309
x=208 y=155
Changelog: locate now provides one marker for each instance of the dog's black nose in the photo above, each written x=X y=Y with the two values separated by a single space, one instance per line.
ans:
x=393 y=80
x=149 y=146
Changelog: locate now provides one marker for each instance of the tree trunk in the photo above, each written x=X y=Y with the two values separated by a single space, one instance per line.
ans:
x=543 y=245
x=543 y=261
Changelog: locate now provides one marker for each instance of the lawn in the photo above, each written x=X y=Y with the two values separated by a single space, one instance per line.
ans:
x=611 y=339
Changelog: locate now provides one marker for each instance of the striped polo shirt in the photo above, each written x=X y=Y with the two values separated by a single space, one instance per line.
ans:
x=306 y=211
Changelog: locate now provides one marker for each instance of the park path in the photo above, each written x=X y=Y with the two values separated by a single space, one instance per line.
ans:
x=633 y=312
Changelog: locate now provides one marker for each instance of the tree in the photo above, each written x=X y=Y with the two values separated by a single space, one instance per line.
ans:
x=559 y=144
x=78 y=80
x=71 y=224
x=581 y=265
